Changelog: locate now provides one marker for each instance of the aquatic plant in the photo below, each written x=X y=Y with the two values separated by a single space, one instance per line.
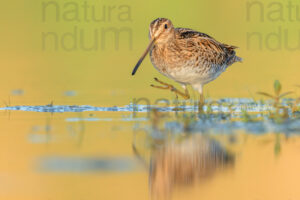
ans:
x=277 y=96
x=295 y=106
x=246 y=117
x=281 y=112
x=209 y=109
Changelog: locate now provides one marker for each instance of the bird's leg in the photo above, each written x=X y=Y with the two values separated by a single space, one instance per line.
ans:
x=201 y=103
x=186 y=92
x=201 y=100
x=167 y=86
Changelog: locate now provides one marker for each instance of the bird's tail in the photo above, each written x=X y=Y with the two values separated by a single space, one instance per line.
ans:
x=232 y=55
x=238 y=59
x=234 y=59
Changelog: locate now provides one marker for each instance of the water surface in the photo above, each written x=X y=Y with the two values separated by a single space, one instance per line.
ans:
x=144 y=152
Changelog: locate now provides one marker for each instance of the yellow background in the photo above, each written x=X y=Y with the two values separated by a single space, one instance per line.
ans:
x=103 y=77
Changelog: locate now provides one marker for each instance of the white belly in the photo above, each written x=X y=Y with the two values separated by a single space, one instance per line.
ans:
x=190 y=75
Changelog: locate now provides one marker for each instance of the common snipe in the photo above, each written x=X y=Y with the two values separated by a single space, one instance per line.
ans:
x=188 y=57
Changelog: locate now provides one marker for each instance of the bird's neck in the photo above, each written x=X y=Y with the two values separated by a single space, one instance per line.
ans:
x=165 y=44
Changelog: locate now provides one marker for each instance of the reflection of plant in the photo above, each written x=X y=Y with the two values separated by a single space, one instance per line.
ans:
x=277 y=105
x=246 y=116
x=156 y=117
x=188 y=120
x=277 y=147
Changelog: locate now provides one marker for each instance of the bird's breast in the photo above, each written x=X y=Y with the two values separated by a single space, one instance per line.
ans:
x=166 y=58
x=171 y=62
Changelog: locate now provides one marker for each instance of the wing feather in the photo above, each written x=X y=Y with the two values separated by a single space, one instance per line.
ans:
x=210 y=50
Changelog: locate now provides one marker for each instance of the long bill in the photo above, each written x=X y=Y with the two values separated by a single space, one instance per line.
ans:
x=143 y=56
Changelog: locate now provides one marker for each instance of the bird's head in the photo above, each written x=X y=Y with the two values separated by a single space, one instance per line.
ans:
x=161 y=31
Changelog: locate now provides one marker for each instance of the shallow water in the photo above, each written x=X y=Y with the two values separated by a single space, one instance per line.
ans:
x=70 y=128
x=86 y=152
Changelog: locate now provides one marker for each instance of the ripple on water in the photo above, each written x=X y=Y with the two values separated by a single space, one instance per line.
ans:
x=226 y=116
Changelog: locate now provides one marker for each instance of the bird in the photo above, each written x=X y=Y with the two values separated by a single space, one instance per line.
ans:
x=186 y=56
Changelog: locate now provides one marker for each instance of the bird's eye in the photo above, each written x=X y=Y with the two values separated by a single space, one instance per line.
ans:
x=166 y=26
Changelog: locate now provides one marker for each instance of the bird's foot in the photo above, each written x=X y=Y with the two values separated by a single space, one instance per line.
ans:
x=167 y=86
x=201 y=104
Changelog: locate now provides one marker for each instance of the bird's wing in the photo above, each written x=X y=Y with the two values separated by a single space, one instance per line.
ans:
x=209 y=50
x=182 y=33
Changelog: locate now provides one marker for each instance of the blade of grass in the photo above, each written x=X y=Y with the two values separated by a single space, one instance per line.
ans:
x=266 y=94
x=285 y=94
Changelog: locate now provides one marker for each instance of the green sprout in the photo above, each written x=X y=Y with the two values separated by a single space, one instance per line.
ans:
x=277 y=93
x=276 y=97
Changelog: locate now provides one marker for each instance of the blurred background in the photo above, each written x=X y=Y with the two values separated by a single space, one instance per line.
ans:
x=76 y=52
x=49 y=47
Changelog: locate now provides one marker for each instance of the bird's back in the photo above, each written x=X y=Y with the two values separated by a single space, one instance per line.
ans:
x=208 y=49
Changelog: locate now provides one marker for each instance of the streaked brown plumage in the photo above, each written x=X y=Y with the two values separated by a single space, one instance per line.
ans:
x=186 y=56
x=192 y=159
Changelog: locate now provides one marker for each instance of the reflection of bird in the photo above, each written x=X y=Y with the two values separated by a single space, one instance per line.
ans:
x=186 y=162
x=186 y=56
x=177 y=159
